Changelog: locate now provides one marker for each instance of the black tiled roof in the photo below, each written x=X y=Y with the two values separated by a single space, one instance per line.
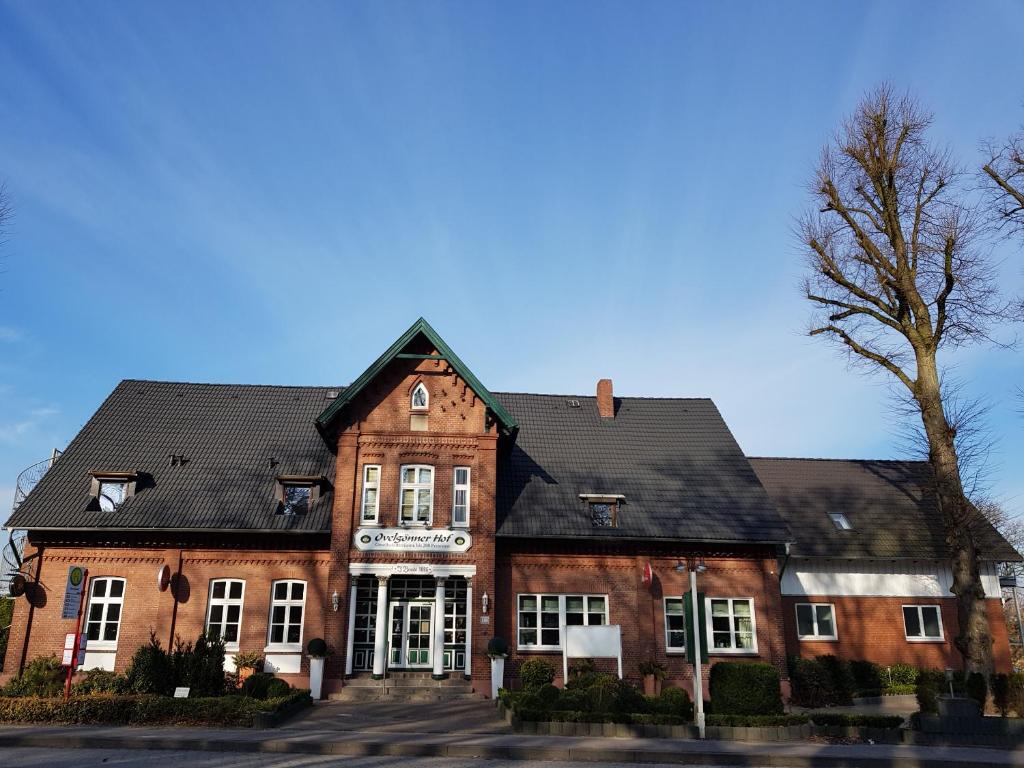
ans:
x=675 y=461
x=228 y=434
x=888 y=504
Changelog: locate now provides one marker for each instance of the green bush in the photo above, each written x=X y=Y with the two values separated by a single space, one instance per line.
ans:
x=900 y=674
x=6 y=617
x=867 y=676
x=257 y=685
x=536 y=672
x=976 y=687
x=673 y=701
x=583 y=674
x=899 y=690
x=277 y=689
x=628 y=698
x=199 y=666
x=1000 y=686
x=840 y=678
x=1016 y=697
x=549 y=695
x=98 y=681
x=150 y=670
x=43 y=676
x=745 y=688
x=754 y=721
x=928 y=687
x=812 y=684
x=573 y=716
x=857 y=721
x=142 y=710
x=576 y=699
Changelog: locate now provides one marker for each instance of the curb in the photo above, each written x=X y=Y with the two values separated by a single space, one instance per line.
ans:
x=724 y=755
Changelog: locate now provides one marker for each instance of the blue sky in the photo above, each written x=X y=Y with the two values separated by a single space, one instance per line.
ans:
x=271 y=192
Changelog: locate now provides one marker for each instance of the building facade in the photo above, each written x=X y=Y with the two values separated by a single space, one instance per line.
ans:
x=411 y=517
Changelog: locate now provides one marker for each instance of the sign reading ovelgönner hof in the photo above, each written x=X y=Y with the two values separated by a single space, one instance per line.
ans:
x=411 y=540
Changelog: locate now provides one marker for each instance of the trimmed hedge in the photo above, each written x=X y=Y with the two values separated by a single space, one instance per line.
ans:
x=856 y=721
x=142 y=710
x=745 y=688
x=573 y=716
x=536 y=673
x=755 y=721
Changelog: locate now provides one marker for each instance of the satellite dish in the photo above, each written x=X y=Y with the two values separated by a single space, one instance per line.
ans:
x=17 y=585
x=163 y=577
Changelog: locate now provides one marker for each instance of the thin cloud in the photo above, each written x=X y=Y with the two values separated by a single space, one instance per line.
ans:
x=10 y=335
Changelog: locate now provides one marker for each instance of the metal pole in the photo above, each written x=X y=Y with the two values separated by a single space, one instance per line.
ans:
x=698 y=681
x=78 y=635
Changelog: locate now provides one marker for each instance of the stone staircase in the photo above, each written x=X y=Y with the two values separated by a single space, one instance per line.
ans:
x=406 y=686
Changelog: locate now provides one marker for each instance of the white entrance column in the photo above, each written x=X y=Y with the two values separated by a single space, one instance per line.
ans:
x=468 y=671
x=380 y=652
x=350 y=646
x=439 y=629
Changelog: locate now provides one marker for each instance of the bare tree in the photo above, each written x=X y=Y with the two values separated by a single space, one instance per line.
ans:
x=896 y=273
x=1005 y=174
x=5 y=214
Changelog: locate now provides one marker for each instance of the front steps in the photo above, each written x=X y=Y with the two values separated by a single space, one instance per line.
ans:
x=405 y=686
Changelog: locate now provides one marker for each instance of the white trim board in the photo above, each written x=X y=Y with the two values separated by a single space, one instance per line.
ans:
x=410 y=569
x=806 y=577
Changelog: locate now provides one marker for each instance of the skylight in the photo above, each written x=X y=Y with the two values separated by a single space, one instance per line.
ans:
x=840 y=521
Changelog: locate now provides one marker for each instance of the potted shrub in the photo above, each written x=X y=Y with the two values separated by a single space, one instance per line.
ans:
x=653 y=673
x=317 y=651
x=247 y=663
x=497 y=650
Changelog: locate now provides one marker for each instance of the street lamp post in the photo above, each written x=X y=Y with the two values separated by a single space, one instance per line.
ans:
x=696 y=565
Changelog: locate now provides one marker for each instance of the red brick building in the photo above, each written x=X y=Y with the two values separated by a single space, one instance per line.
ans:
x=412 y=516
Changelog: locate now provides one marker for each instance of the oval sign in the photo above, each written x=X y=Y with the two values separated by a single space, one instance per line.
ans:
x=163 y=577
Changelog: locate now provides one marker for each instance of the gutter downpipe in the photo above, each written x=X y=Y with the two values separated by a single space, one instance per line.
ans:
x=31 y=612
x=785 y=562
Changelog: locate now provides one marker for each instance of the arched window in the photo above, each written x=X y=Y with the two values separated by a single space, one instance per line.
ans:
x=420 y=397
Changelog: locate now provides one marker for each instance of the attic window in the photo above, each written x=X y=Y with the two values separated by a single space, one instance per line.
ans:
x=295 y=494
x=840 y=521
x=420 y=397
x=110 y=490
x=603 y=509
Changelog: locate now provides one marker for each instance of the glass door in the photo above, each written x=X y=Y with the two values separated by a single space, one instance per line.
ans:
x=411 y=634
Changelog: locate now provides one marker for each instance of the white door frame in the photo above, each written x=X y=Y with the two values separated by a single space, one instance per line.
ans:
x=406 y=608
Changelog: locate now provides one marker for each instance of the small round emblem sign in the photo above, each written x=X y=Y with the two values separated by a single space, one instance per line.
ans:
x=76 y=575
x=365 y=539
x=460 y=540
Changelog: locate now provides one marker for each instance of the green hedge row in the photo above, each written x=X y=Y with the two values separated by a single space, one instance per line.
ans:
x=571 y=716
x=144 y=709
x=818 y=718
x=755 y=721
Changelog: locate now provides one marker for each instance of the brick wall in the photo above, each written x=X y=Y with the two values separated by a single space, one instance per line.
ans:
x=146 y=609
x=871 y=628
x=636 y=608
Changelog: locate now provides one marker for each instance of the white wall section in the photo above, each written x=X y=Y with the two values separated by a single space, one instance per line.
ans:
x=877 y=578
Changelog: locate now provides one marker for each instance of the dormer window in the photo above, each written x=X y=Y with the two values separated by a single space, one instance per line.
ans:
x=297 y=493
x=603 y=509
x=840 y=521
x=420 y=397
x=110 y=490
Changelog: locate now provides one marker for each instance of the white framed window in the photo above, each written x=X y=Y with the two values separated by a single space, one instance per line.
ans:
x=371 y=493
x=103 y=615
x=416 y=495
x=730 y=625
x=420 y=398
x=541 y=618
x=675 y=625
x=287 y=609
x=922 y=623
x=460 y=497
x=816 y=621
x=224 y=611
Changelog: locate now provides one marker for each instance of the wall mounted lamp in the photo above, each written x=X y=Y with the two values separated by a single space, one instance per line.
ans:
x=485 y=601
x=334 y=601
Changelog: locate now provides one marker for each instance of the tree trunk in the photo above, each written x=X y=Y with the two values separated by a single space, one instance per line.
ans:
x=958 y=513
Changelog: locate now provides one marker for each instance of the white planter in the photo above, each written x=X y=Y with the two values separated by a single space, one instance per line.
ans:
x=497 y=674
x=316 y=677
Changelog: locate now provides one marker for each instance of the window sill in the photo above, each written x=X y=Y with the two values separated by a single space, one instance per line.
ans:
x=675 y=651
x=732 y=652
x=369 y=524
x=816 y=639
x=100 y=645
x=284 y=648
x=539 y=649
x=926 y=639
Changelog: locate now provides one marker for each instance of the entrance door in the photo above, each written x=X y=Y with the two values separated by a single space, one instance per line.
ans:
x=412 y=630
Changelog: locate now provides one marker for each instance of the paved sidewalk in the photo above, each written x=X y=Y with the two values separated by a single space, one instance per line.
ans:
x=306 y=740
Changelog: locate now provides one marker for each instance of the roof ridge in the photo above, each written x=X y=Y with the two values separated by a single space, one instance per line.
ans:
x=230 y=384
x=825 y=458
x=594 y=397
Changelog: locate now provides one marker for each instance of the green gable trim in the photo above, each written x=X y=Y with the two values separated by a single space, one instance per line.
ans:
x=421 y=326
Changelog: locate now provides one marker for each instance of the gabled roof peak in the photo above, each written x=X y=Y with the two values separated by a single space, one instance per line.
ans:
x=420 y=328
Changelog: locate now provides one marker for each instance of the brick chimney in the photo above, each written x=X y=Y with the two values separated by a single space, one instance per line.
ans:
x=605 y=400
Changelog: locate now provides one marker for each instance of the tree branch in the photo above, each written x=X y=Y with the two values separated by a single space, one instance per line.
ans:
x=867 y=354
